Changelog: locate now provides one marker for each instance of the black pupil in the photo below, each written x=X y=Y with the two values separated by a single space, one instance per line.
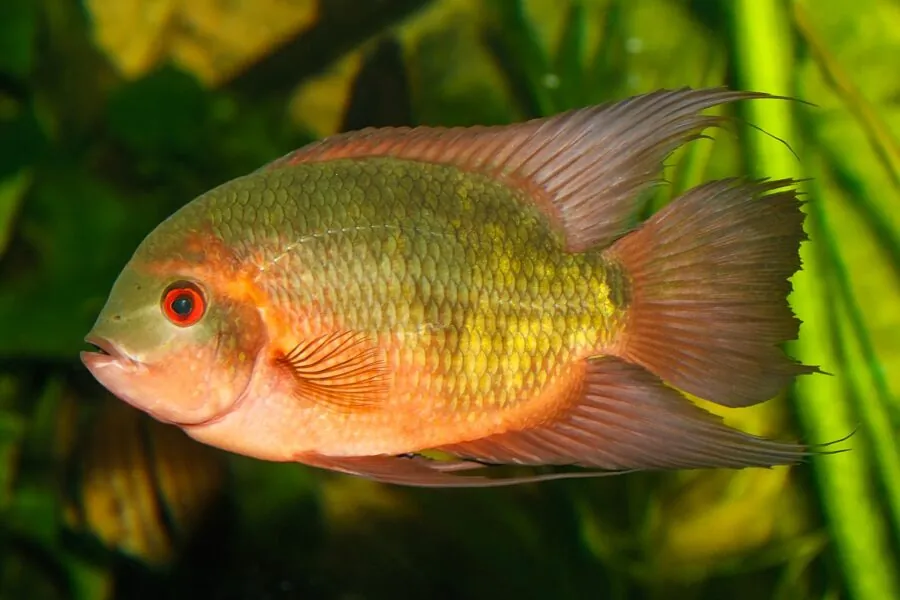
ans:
x=183 y=305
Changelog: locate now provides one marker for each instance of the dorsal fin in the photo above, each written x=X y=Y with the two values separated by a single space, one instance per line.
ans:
x=585 y=166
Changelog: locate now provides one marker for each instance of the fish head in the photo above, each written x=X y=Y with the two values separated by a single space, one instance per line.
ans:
x=174 y=340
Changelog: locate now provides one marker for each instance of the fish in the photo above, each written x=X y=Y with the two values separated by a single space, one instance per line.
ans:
x=141 y=488
x=425 y=306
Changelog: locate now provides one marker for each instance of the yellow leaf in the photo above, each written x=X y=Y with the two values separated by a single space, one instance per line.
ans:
x=132 y=32
x=320 y=102
x=211 y=38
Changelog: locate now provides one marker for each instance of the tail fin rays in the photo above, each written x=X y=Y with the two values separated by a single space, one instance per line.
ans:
x=709 y=280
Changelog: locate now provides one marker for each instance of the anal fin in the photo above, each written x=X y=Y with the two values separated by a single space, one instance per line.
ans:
x=627 y=419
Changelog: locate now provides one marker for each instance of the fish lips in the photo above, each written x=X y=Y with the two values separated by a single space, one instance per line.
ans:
x=105 y=354
x=112 y=367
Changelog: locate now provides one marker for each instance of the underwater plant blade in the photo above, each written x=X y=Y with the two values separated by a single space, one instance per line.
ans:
x=765 y=62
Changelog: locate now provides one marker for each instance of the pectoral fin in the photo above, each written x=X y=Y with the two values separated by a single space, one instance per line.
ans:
x=341 y=370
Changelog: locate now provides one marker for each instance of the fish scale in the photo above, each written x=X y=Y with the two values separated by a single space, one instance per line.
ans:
x=405 y=247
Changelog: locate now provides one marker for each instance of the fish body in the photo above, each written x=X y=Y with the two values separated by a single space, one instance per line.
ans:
x=461 y=286
x=476 y=291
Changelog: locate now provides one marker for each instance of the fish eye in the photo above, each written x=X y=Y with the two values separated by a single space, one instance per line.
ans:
x=183 y=303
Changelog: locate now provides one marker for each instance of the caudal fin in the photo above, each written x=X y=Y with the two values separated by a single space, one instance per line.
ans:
x=709 y=284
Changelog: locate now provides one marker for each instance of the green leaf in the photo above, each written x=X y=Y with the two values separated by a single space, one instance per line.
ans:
x=34 y=514
x=18 y=26
x=519 y=50
x=570 y=58
x=12 y=192
x=828 y=407
x=605 y=71
x=27 y=141
x=466 y=91
x=76 y=234
x=87 y=580
x=12 y=430
x=165 y=112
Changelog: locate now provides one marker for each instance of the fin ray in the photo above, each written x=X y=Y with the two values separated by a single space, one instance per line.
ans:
x=342 y=370
x=709 y=278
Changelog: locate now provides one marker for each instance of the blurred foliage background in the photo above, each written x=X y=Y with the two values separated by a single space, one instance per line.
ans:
x=113 y=113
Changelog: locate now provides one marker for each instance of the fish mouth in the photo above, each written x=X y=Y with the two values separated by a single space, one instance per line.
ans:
x=104 y=353
x=102 y=347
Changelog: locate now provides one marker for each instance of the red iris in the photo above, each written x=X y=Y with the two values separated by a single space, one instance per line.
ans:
x=183 y=303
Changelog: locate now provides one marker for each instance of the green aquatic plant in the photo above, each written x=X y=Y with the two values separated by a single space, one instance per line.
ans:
x=773 y=40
